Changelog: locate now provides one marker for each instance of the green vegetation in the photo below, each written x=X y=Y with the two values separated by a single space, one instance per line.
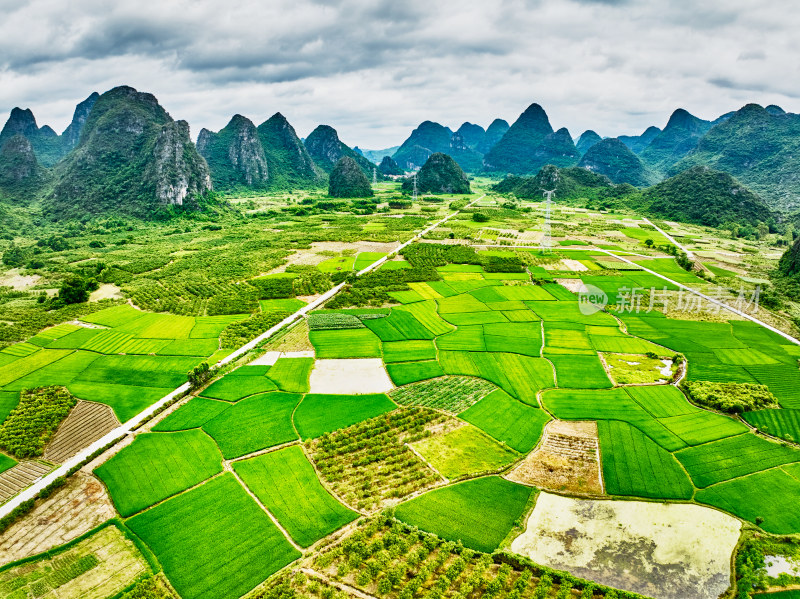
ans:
x=464 y=451
x=634 y=465
x=347 y=180
x=254 y=423
x=193 y=414
x=451 y=393
x=369 y=462
x=733 y=398
x=318 y=414
x=779 y=423
x=211 y=540
x=439 y=174
x=140 y=476
x=287 y=485
x=509 y=421
x=479 y=513
x=239 y=384
x=346 y=343
x=612 y=158
x=31 y=424
x=291 y=374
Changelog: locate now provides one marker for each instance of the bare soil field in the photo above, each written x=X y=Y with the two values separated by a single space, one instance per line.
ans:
x=269 y=358
x=106 y=291
x=87 y=422
x=74 y=509
x=665 y=551
x=13 y=278
x=350 y=377
x=567 y=459
x=21 y=476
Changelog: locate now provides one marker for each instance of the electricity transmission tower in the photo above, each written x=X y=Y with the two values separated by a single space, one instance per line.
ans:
x=547 y=242
x=374 y=175
x=414 y=197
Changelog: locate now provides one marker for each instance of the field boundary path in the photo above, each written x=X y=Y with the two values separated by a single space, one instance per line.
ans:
x=129 y=426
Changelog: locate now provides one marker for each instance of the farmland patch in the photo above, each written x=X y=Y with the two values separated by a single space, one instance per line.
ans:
x=350 y=377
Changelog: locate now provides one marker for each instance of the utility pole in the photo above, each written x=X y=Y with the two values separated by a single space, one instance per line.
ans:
x=547 y=242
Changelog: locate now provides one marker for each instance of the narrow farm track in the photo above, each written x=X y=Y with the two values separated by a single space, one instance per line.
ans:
x=669 y=237
x=23 y=494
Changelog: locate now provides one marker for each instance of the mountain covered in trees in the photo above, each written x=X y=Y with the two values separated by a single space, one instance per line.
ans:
x=679 y=137
x=425 y=140
x=761 y=148
x=569 y=183
x=529 y=144
x=704 y=196
x=21 y=175
x=48 y=146
x=587 y=139
x=637 y=143
x=439 y=174
x=347 y=180
x=132 y=158
x=235 y=155
x=326 y=149
x=389 y=167
x=494 y=133
x=291 y=166
x=612 y=158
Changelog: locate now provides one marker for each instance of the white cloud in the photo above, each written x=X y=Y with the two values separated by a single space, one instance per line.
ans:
x=375 y=69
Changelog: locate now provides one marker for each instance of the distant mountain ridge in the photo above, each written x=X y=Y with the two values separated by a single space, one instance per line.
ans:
x=326 y=149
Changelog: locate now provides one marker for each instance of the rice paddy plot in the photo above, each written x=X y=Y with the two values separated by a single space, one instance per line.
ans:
x=579 y=371
x=569 y=311
x=156 y=466
x=400 y=325
x=125 y=400
x=346 y=343
x=214 y=542
x=187 y=347
x=784 y=424
x=318 y=413
x=525 y=293
x=662 y=401
x=609 y=404
x=61 y=372
x=768 y=497
x=341 y=263
x=566 y=338
x=511 y=422
x=520 y=376
x=706 y=367
x=27 y=364
x=461 y=303
x=47 y=336
x=636 y=466
x=6 y=462
x=287 y=485
x=211 y=327
x=291 y=374
x=623 y=345
x=145 y=371
x=733 y=457
x=254 y=423
x=233 y=386
x=425 y=291
x=364 y=259
x=475 y=318
x=480 y=513
x=464 y=451
x=114 y=317
x=291 y=304
x=404 y=373
x=702 y=426
x=426 y=313
x=193 y=414
x=782 y=379
x=408 y=351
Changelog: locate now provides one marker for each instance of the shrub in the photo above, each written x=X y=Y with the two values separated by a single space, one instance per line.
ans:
x=28 y=428
x=733 y=398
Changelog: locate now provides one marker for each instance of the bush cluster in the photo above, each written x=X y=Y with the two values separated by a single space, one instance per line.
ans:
x=28 y=428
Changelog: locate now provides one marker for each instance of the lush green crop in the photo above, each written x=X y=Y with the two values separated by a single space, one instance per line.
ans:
x=464 y=451
x=350 y=343
x=512 y=422
x=779 y=423
x=291 y=374
x=635 y=465
x=479 y=513
x=214 y=541
x=236 y=386
x=156 y=466
x=193 y=414
x=254 y=423
x=287 y=485
x=318 y=414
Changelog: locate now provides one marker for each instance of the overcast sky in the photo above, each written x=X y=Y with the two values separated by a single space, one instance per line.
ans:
x=374 y=69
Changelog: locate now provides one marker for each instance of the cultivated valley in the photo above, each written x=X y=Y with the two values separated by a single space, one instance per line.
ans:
x=483 y=363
